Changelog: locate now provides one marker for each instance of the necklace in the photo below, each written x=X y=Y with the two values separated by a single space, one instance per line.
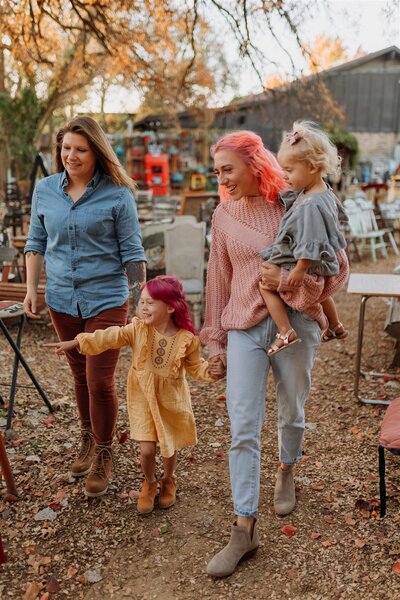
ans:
x=161 y=353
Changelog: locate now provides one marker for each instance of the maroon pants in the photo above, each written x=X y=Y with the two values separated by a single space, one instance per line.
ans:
x=95 y=392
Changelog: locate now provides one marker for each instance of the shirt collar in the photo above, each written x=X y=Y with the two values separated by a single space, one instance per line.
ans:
x=91 y=185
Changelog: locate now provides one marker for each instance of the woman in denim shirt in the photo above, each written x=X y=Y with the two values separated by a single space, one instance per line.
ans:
x=84 y=224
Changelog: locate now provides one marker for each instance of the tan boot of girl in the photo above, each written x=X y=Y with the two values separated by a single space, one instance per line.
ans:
x=148 y=492
x=167 y=497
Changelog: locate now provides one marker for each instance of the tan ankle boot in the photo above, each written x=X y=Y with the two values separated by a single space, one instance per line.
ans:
x=97 y=481
x=241 y=546
x=167 y=496
x=84 y=460
x=148 y=492
x=284 y=495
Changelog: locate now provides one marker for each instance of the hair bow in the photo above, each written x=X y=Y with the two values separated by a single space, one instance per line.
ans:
x=293 y=137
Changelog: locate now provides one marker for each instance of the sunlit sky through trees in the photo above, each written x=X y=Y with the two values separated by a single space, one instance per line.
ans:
x=360 y=24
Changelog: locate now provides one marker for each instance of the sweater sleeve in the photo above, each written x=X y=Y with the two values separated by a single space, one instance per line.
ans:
x=219 y=276
x=315 y=288
x=105 y=339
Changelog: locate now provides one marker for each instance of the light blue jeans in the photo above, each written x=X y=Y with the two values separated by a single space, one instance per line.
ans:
x=247 y=372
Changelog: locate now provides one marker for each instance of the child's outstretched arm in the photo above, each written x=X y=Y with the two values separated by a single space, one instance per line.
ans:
x=61 y=348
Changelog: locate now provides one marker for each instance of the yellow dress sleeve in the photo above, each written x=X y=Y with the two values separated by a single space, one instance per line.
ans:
x=194 y=364
x=106 y=339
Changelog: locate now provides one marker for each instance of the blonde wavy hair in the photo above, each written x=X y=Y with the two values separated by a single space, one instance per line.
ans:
x=308 y=143
x=107 y=160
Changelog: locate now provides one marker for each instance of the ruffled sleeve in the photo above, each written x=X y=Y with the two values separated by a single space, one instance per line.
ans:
x=196 y=367
x=106 y=339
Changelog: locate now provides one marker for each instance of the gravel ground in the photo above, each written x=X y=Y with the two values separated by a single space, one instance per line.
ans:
x=95 y=549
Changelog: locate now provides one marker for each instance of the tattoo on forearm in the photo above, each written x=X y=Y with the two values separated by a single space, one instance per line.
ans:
x=136 y=272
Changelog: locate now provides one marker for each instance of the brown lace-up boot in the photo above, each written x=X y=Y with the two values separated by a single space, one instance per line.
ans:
x=82 y=464
x=97 y=481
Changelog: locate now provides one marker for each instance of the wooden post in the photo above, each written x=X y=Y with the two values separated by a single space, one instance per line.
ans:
x=6 y=469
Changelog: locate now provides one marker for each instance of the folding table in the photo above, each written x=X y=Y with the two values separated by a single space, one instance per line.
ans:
x=8 y=310
x=368 y=285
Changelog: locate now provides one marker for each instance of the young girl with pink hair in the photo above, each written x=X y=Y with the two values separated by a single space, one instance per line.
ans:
x=164 y=346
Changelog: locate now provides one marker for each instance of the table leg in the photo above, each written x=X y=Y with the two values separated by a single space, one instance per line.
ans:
x=15 y=373
x=27 y=369
x=358 y=370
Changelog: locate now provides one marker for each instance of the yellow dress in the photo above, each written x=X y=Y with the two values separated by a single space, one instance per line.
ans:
x=158 y=396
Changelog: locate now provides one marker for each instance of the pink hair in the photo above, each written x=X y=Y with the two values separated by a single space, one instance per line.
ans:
x=263 y=164
x=170 y=290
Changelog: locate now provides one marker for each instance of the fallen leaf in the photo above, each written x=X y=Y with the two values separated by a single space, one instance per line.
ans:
x=221 y=397
x=123 y=437
x=348 y=519
x=360 y=543
x=317 y=486
x=315 y=535
x=327 y=544
x=329 y=519
x=289 y=530
x=363 y=505
x=49 y=421
x=72 y=571
x=52 y=586
x=396 y=567
x=32 y=591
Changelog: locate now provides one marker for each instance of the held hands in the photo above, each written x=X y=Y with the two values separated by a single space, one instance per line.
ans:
x=61 y=347
x=217 y=366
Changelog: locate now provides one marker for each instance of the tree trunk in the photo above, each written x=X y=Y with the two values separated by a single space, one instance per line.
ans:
x=3 y=147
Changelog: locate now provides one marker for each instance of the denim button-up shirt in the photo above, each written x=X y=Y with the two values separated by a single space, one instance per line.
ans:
x=86 y=244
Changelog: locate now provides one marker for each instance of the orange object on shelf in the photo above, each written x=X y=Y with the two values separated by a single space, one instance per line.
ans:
x=156 y=173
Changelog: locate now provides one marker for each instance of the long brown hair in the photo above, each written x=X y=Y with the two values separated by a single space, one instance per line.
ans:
x=106 y=158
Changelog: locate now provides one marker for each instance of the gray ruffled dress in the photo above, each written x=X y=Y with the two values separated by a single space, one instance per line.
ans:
x=309 y=229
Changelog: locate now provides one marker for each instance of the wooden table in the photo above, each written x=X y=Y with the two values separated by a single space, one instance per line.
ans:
x=369 y=285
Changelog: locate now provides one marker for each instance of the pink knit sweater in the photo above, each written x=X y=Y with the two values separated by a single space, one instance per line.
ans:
x=240 y=229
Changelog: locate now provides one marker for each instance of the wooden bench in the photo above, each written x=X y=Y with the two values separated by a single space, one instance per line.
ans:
x=17 y=292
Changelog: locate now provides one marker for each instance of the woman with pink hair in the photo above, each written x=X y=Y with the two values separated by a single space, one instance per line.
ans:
x=238 y=331
x=165 y=346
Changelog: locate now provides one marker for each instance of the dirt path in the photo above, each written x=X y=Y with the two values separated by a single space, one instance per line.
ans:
x=104 y=549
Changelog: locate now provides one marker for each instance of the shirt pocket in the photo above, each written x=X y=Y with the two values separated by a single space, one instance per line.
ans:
x=99 y=222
